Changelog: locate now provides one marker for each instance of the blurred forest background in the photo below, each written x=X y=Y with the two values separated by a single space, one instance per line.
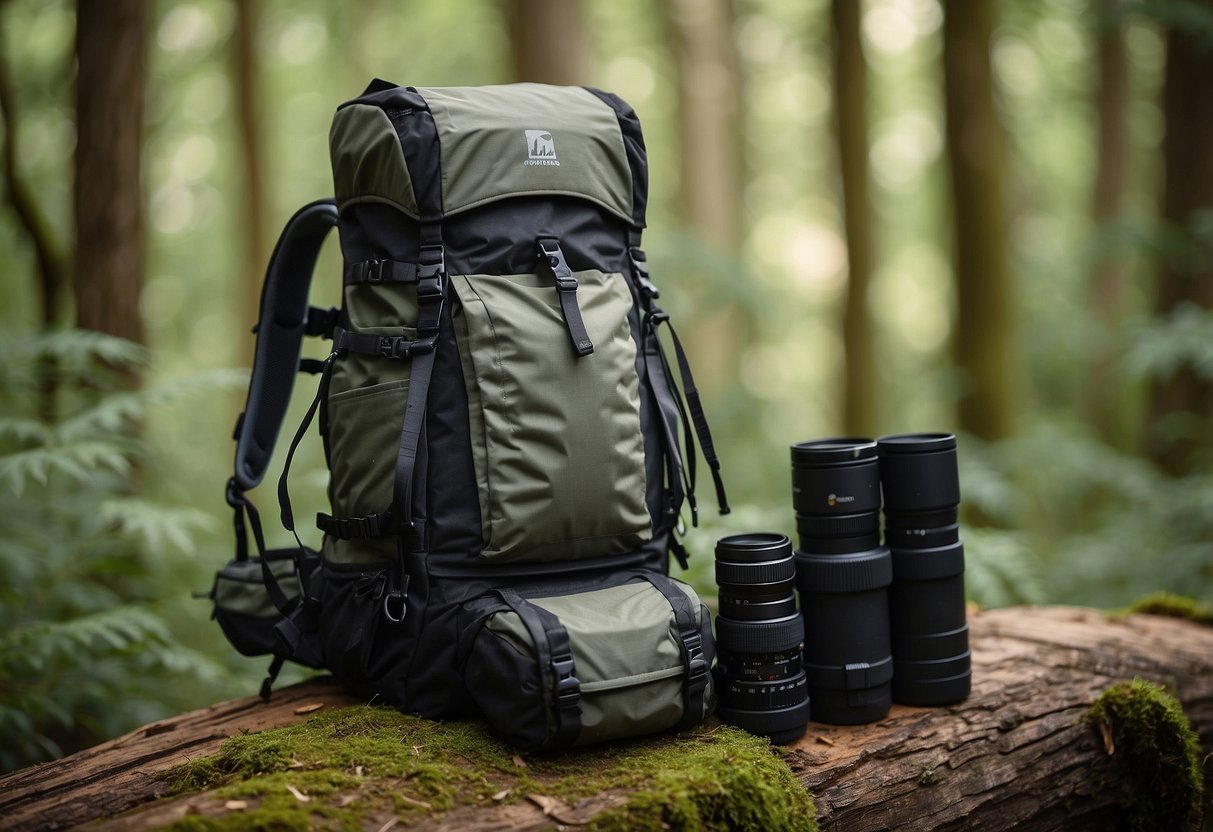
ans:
x=887 y=216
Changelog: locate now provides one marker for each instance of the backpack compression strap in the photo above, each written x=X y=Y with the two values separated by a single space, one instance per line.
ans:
x=285 y=318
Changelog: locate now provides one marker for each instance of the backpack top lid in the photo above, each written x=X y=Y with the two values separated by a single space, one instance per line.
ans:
x=491 y=143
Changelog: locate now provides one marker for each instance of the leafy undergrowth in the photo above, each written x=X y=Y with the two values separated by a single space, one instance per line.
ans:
x=1145 y=728
x=351 y=767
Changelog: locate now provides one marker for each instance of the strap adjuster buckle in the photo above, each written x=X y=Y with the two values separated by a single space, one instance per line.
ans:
x=568 y=686
x=431 y=262
x=697 y=666
x=374 y=271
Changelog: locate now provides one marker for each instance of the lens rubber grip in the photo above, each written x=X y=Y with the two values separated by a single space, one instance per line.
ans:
x=856 y=572
x=760 y=637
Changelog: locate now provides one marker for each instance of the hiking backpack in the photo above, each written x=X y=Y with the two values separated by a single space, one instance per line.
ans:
x=500 y=421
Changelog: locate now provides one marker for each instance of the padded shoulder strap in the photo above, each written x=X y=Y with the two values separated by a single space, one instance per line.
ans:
x=280 y=330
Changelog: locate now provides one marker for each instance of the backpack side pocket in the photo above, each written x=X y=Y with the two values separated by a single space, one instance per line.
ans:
x=242 y=605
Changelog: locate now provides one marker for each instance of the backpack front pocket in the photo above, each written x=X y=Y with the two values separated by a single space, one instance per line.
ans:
x=560 y=670
x=556 y=440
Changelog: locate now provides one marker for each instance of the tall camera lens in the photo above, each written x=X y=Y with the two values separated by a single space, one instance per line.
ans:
x=931 y=662
x=759 y=679
x=843 y=574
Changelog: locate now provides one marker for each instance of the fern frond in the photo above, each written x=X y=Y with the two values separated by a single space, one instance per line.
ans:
x=74 y=348
x=111 y=414
x=23 y=431
x=157 y=528
x=84 y=637
x=1160 y=348
x=78 y=462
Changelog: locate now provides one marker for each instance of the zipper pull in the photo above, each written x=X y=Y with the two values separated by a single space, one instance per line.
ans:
x=566 y=288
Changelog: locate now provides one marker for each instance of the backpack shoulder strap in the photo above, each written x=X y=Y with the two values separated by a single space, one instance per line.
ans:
x=284 y=319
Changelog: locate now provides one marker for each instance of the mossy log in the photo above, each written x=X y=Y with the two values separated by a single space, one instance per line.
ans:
x=1020 y=753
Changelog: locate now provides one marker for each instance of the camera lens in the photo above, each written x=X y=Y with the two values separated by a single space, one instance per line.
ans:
x=759 y=679
x=930 y=637
x=836 y=493
x=843 y=574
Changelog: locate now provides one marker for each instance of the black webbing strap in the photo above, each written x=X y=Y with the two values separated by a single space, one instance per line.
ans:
x=667 y=414
x=380 y=271
x=351 y=528
x=566 y=290
x=431 y=294
x=695 y=680
x=243 y=508
x=687 y=467
x=284 y=319
x=553 y=651
x=271 y=675
x=699 y=418
x=692 y=414
x=385 y=346
x=284 y=493
x=321 y=322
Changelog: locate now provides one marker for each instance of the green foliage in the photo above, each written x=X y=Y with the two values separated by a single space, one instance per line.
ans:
x=85 y=651
x=357 y=763
x=1093 y=525
x=1185 y=338
x=1146 y=731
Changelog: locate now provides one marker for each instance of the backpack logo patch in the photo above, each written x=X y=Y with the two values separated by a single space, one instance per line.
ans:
x=540 y=148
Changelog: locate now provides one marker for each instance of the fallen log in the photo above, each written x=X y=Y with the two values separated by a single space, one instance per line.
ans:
x=1017 y=754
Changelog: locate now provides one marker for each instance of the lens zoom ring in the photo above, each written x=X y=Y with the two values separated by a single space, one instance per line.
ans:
x=842 y=525
x=749 y=574
x=759 y=637
x=929 y=564
x=844 y=573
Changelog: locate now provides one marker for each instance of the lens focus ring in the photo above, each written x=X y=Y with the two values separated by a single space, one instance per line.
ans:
x=750 y=574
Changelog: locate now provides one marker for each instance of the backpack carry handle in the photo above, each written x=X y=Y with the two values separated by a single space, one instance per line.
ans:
x=284 y=319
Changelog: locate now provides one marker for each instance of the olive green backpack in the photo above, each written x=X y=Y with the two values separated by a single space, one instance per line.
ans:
x=508 y=445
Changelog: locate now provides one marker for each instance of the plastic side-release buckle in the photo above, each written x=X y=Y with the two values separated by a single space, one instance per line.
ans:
x=697 y=667
x=568 y=686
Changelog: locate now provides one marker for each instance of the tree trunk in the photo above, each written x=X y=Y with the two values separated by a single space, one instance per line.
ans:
x=1016 y=755
x=983 y=344
x=548 y=41
x=248 y=101
x=710 y=176
x=1103 y=402
x=850 y=112
x=1181 y=409
x=111 y=40
x=48 y=252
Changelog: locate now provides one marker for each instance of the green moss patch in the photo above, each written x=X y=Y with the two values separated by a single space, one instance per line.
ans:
x=358 y=765
x=1174 y=606
x=1145 y=729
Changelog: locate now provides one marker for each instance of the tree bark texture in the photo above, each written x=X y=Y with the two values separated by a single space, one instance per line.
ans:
x=1103 y=402
x=984 y=341
x=248 y=101
x=111 y=45
x=548 y=41
x=1181 y=410
x=1016 y=755
x=851 y=125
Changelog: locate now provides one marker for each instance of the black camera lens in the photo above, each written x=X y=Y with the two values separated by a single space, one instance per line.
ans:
x=836 y=493
x=921 y=485
x=759 y=634
x=843 y=574
x=847 y=652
